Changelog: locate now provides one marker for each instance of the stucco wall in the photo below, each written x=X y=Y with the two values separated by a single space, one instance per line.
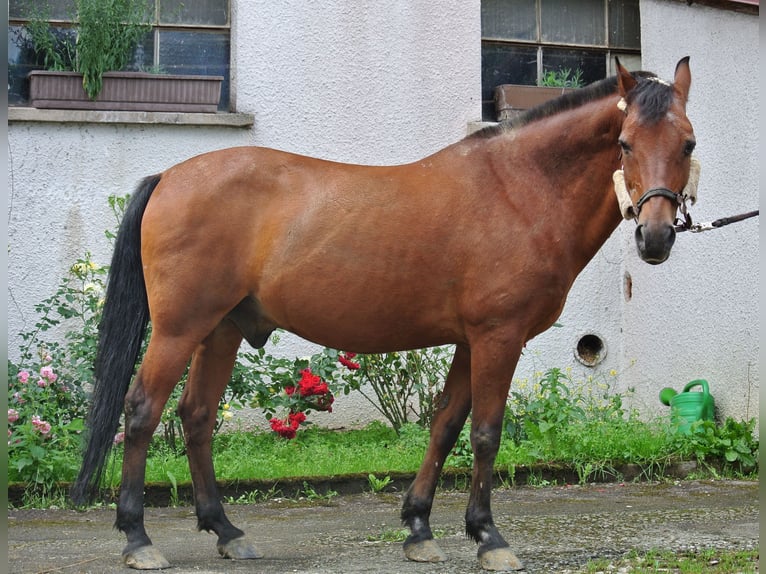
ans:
x=696 y=315
x=368 y=84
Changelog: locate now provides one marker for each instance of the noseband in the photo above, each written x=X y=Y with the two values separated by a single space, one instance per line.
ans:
x=678 y=198
x=655 y=192
x=631 y=211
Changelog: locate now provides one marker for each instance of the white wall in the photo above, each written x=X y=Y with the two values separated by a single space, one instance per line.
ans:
x=382 y=85
x=61 y=176
x=696 y=315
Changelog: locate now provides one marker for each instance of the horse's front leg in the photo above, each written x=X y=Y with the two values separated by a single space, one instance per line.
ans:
x=209 y=374
x=450 y=414
x=492 y=367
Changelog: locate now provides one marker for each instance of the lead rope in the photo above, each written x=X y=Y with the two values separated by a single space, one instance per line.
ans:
x=699 y=227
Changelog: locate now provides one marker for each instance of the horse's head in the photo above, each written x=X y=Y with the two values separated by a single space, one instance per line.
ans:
x=657 y=141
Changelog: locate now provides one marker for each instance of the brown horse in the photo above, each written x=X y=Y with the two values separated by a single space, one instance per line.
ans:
x=476 y=245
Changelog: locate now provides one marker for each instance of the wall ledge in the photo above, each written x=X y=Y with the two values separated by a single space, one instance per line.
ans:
x=221 y=119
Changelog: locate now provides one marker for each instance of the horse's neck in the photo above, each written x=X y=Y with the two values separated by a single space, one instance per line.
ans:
x=568 y=160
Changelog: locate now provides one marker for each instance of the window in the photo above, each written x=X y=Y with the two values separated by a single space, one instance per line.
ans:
x=186 y=38
x=524 y=39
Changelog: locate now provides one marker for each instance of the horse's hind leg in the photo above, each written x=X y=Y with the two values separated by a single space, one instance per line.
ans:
x=160 y=371
x=209 y=374
x=450 y=415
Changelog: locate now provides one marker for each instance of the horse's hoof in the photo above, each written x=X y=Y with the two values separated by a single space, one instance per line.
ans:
x=500 y=560
x=239 y=549
x=146 y=558
x=424 y=551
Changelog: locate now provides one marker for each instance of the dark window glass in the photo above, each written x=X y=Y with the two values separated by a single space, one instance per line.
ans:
x=573 y=21
x=51 y=9
x=201 y=53
x=509 y=20
x=624 y=24
x=591 y=63
x=22 y=59
x=522 y=39
x=505 y=64
x=199 y=12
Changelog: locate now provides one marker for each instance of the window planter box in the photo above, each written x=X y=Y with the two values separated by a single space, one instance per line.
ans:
x=136 y=91
x=512 y=99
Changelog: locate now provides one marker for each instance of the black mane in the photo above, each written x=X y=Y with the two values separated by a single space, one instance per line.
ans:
x=653 y=97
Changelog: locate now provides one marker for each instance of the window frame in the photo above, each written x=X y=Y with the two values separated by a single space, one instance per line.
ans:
x=606 y=49
x=154 y=39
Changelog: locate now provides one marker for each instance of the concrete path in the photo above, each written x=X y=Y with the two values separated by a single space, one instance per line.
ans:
x=552 y=529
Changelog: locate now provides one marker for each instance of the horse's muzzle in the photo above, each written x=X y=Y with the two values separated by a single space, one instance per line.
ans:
x=654 y=241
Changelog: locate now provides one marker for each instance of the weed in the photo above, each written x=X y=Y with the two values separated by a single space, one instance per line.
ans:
x=173 y=489
x=398 y=535
x=378 y=484
x=688 y=562
x=390 y=535
x=309 y=493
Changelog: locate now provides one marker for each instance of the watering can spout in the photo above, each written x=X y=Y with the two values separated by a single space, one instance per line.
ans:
x=666 y=395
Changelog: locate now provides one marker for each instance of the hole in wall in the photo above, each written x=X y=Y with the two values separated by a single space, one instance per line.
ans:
x=590 y=350
x=627 y=286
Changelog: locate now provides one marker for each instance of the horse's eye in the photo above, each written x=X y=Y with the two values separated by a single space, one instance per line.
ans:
x=689 y=147
x=624 y=146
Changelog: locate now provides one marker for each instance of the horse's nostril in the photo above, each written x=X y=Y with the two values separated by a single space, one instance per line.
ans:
x=640 y=237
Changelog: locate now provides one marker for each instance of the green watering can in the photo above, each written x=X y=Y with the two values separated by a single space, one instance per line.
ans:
x=687 y=407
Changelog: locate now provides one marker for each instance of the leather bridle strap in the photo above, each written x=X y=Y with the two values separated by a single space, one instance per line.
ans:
x=657 y=191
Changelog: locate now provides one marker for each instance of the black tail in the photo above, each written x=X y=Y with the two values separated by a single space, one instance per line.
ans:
x=121 y=333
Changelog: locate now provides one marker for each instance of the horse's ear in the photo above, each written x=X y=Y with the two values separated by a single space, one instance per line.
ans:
x=683 y=78
x=625 y=81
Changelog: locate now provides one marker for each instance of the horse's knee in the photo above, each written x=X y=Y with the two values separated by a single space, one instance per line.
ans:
x=485 y=440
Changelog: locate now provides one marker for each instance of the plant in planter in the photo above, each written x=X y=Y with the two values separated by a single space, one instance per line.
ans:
x=512 y=99
x=108 y=32
x=84 y=68
x=562 y=78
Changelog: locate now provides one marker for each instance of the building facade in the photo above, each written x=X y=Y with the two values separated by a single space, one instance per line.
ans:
x=373 y=84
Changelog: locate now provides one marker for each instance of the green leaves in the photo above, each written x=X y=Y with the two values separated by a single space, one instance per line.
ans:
x=562 y=78
x=108 y=32
x=106 y=35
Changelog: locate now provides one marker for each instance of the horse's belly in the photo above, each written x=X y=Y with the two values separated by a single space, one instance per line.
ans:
x=365 y=317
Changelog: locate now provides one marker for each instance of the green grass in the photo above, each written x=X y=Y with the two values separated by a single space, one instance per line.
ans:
x=654 y=561
x=314 y=452
x=594 y=449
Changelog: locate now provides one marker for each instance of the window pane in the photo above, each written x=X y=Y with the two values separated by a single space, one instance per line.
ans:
x=504 y=64
x=592 y=64
x=624 y=24
x=573 y=21
x=631 y=61
x=143 y=56
x=52 y=9
x=515 y=20
x=203 y=53
x=200 y=12
x=21 y=61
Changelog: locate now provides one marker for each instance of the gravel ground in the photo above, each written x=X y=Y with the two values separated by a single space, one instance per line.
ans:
x=552 y=529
